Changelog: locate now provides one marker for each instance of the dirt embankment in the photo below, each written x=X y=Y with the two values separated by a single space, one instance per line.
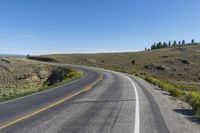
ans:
x=21 y=77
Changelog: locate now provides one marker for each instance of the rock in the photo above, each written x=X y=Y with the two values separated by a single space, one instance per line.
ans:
x=163 y=68
x=186 y=62
x=34 y=78
x=157 y=67
x=149 y=66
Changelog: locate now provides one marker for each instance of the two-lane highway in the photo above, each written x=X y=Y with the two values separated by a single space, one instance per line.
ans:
x=103 y=102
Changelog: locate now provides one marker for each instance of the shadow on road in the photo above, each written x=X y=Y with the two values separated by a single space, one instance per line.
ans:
x=189 y=114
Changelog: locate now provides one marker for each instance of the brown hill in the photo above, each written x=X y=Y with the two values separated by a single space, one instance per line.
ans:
x=20 y=77
x=179 y=64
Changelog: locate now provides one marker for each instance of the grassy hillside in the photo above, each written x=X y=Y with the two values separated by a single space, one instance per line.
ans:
x=22 y=77
x=180 y=64
x=176 y=70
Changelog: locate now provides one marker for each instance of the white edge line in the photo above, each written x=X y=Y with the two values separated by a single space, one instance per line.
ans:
x=137 y=112
x=137 y=108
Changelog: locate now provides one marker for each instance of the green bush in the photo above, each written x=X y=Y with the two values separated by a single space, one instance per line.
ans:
x=187 y=87
x=175 y=92
x=153 y=80
x=194 y=100
x=165 y=86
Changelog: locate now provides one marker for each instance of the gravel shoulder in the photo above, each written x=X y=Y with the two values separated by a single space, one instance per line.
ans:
x=177 y=115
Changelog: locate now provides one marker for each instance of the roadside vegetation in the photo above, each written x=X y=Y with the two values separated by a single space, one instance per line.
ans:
x=182 y=63
x=160 y=45
x=20 y=77
x=177 y=67
x=188 y=94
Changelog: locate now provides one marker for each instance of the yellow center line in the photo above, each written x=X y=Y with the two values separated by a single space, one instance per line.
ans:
x=89 y=87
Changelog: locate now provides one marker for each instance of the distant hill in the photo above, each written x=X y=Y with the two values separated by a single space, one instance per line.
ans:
x=174 y=69
x=12 y=55
x=177 y=64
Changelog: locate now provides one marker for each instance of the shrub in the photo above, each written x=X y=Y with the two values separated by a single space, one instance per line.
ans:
x=40 y=58
x=187 y=87
x=175 y=92
x=165 y=86
x=153 y=80
x=133 y=62
x=194 y=100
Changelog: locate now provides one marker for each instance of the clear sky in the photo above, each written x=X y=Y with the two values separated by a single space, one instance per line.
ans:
x=73 y=26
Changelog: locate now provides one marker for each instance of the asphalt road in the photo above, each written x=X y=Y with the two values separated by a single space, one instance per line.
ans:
x=116 y=103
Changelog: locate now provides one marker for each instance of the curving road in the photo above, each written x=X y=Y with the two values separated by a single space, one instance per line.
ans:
x=101 y=102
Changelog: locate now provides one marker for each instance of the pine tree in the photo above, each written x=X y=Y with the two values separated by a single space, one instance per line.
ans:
x=153 y=46
x=179 y=43
x=169 y=44
x=159 y=45
x=165 y=45
x=174 y=44
x=192 y=42
x=28 y=56
x=183 y=42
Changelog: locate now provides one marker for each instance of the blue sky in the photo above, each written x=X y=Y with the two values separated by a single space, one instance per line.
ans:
x=74 y=26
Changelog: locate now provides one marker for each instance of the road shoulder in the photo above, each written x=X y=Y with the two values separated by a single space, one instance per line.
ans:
x=177 y=115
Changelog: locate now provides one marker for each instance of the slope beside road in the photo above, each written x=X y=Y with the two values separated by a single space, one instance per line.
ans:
x=107 y=104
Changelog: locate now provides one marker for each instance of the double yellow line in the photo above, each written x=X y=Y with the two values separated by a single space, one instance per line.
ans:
x=89 y=87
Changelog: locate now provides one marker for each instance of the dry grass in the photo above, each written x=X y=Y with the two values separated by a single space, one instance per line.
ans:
x=190 y=95
x=178 y=65
x=176 y=70
x=22 y=77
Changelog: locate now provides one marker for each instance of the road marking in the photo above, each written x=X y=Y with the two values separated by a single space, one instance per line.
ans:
x=137 y=112
x=137 y=108
x=89 y=87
